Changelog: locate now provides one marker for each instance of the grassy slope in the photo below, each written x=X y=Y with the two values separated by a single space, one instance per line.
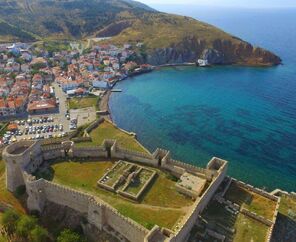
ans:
x=159 y=30
x=108 y=131
x=84 y=176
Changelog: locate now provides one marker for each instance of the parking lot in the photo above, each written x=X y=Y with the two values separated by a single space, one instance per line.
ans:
x=53 y=125
x=42 y=126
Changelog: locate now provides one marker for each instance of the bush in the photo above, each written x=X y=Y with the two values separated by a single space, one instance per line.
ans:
x=68 y=235
x=9 y=221
x=25 y=225
x=38 y=234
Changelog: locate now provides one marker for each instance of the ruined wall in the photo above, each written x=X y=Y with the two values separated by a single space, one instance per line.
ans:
x=199 y=206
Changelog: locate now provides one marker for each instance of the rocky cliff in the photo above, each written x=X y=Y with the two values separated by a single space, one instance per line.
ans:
x=221 y=52
x=167 y=38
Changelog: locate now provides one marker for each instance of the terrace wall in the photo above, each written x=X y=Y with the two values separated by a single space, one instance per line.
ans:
x=260 y=219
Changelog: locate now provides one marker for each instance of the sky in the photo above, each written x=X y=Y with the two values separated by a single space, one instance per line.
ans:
x=228 y=3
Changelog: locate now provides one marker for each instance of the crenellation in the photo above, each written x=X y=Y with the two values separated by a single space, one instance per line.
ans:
x=24 y=158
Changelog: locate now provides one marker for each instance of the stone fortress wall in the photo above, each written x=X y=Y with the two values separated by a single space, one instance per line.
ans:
x=23 y=158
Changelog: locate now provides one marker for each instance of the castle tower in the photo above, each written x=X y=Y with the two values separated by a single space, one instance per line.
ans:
x=18 y=157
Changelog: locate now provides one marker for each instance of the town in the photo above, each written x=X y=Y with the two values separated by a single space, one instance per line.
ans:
x=37 y=85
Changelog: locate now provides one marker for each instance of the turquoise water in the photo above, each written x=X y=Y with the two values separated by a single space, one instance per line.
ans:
x=244 y=115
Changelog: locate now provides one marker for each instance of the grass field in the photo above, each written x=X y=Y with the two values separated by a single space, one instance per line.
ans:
x=107 y=130
x=162 y=204
x=83 y=102
x=251 y=201
x=248 y=229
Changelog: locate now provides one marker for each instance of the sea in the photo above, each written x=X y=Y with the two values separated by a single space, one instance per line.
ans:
x=245 y=115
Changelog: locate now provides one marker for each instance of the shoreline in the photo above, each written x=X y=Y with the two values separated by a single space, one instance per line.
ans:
x=104 y=104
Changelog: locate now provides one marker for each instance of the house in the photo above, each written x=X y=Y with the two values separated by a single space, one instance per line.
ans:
x=3 y=108
x=127 y=46
x=202 y=62
x=69 y=84
x=42 y=106
x=11 y=108
x=100 y=84
x=40 y=61
x=25 y=68
x=20 y=103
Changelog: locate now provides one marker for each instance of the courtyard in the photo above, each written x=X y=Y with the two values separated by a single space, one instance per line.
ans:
x=161 y=204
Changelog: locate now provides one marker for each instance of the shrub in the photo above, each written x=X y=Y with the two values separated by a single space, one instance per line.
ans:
x=68 y=235
x=9 y=221
x=25 y=225
x=38 y=234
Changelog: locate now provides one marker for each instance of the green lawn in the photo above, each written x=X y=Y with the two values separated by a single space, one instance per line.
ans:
x=248 y=229
x=107 y=130
x=84 y=177
x=83 y=102
x=149 y=217
x=251 y=201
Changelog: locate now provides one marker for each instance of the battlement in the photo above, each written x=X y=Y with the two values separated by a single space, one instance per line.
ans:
x=23 y=158
x=18 y=148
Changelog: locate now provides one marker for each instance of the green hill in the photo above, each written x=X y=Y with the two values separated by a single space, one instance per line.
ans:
x=167 y=38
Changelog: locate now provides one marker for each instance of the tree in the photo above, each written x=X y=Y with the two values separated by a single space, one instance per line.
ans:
x=38 y=234
x=25 y=225
x=68 y=235
x=9 y=221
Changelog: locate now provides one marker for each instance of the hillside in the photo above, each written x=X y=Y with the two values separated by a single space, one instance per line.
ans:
x=167 y=38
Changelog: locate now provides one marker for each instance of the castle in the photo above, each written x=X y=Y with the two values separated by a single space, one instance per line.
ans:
x=25 y=157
